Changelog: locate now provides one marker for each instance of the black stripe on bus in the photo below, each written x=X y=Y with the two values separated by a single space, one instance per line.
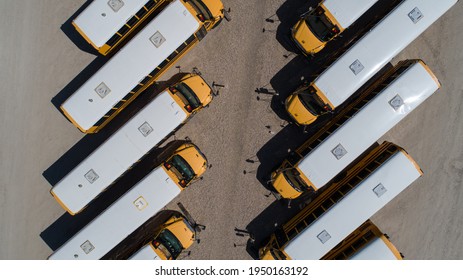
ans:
x=145 y=80
x=132 y=21
x=136 y=88
x=150 y=4
x=141 y=13
x=123 y=30
x=114 y=39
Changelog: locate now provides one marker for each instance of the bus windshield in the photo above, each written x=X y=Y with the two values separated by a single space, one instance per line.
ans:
x=320 y=25
x=201 y=8
x=312 y=102
x=169 y=242
x=183 y=168
x=187 y=95
x=293 y=178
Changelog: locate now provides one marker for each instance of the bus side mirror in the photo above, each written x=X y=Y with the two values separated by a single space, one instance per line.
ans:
x=307 y=13
x=226 y=14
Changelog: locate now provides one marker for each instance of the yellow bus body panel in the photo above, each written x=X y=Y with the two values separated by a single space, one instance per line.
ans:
x=306 y=40
x=297 y=111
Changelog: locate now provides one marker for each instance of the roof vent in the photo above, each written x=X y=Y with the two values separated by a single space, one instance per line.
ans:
x=116 y=5
x=87 y=247
x=415 y=15
x=356 y=67
x=157 y=39
x=140 y=203
x=91 y=176
x=396 y=102
x=379 y=190
x=102 y=90
x=339 y=151
x=323 y=236
x=145 y=129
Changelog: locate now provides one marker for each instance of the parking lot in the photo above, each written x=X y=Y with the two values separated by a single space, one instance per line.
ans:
x=243 y=133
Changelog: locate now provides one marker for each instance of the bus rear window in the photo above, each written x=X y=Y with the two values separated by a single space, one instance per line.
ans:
x=312 y=102
x=321 y=26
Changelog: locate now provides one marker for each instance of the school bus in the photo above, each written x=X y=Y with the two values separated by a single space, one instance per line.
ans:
x=319 y=26
x=136 y=206
x=367 y=187
x=105 y=24
x=170 y=240
x=171 y=34
x=364 y=59
x=365 y=243
x=161 y=117
x=354 y=129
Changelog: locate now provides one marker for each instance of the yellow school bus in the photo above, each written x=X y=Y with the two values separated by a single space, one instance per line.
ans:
x=319 y=26
x=365 y=243
x=152 y=124
x=344 y=205
x=345 y=137
x=162 y=42
x=139 y=204
x=170 y=240
x=350 y=71
x=106 y=24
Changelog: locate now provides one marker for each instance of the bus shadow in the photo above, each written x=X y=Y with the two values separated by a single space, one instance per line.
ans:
x=298 y=71
x=69 y=30
x=77 y=82
x=288 y=14
x=141 y=236
x=269 y=220
x=303 y=70
x=273 y=153
x=67 y=225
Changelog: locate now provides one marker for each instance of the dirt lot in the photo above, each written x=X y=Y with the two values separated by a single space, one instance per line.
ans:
x=242 y=133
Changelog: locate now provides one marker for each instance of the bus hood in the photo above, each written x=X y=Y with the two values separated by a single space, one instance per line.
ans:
x=297 y=111
x=305 y=39
x=281 y=185
x=215 y=7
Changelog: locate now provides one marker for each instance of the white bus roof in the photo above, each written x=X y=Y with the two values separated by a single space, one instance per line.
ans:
x=145 y=253
x=173 y=26
x=375 y=250
x=374 y=50
x=347 y=12
x=103 y=18
x=112 y=158
x=385 y=183
x=371 y=122
x=120 y=219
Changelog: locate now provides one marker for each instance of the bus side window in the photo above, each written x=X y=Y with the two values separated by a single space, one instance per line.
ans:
x=293 y=158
